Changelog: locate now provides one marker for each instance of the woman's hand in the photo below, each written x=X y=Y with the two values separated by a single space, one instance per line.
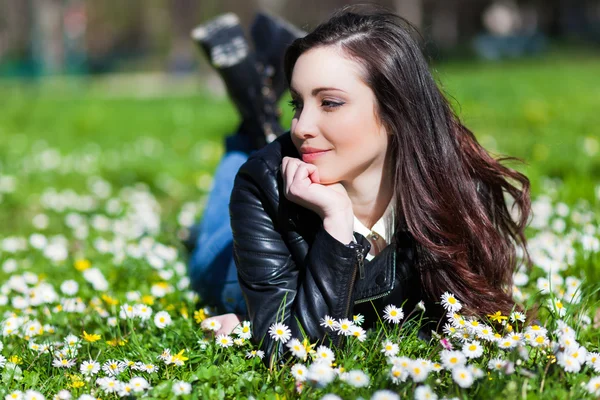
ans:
x=331 y=202
x=228 y=323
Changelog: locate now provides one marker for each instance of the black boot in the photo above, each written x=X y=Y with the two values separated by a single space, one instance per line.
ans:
x=223 y=42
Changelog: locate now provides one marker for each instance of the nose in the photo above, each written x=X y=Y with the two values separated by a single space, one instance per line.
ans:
x=304 y=124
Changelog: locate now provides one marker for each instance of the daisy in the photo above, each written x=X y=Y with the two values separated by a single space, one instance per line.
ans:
x=358 y=319
x=143 y=312
x=417 y=371
x=393 y=314
x=463 y=377
x=452 y=359
x=113 y=367
x=450 y=302
x=398 y=374
x=299 y=372
x=280 y=332
x=321 y=373
x=424 y=392
x=62 y=363
x=358 y=333
x=126 y=311
x=328 y=322
x=389 y=348
x=593 y=360
x=497 y=364
x=180 y=388
x=558 y=306
x=243 y=331
x=33 y=395
x=89 y=367
x=224 y=340
x=72 y=341
x=472 y=349
x=16 y=395
x=255 y=353
x=506 y=343
x=593 y=386
x=517 y=316
x=125 y=390
x=343 y=326
x=162 y=319
x=569 y=364
x=385 y=395
x=357 y=378
x=139 y=384
x=149 y=368
x=485 y=333
x=538 y=340
x=297 y=348
x=324 y=355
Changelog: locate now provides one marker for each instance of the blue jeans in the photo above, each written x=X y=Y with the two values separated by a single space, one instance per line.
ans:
x=211 y=267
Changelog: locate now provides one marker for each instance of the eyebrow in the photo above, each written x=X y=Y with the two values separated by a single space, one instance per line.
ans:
x=316 y=91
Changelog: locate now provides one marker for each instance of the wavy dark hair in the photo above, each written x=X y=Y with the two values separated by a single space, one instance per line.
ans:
x=450 y=191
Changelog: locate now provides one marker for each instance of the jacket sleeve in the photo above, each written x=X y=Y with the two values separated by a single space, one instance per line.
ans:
x=274 y=287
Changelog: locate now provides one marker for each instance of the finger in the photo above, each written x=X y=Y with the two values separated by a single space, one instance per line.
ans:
x=290 y=171
x=313 y=173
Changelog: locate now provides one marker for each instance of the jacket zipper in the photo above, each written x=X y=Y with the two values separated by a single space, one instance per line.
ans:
x=361 y=267
x=382 y=294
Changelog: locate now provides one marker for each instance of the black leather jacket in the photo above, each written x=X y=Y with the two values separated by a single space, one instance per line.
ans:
x=293 y=271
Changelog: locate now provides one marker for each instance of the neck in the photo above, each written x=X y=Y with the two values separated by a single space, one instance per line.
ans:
x=371 y=193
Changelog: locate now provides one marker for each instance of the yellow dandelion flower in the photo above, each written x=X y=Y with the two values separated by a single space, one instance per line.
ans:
x=91 y=337
x=199 y=316
x=82 y=264
x=148 y=300
x=111 y=301
x=497 y=316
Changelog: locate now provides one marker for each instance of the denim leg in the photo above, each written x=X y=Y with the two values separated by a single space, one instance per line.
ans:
x=211 y=266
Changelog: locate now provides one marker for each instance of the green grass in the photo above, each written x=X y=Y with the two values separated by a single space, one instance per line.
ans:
x=62 y=136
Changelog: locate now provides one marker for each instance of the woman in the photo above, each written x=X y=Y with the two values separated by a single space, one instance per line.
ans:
x=378 y=195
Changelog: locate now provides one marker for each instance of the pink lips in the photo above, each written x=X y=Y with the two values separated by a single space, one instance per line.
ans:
x=308 y=157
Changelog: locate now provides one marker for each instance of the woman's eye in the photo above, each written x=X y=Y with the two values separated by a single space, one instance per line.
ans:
x=330 y=104
x=294 y=104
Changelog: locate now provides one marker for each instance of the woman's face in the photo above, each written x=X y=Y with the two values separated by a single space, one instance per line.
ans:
x=336 y=114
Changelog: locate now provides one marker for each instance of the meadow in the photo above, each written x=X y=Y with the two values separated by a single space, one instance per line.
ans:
x=99 y=183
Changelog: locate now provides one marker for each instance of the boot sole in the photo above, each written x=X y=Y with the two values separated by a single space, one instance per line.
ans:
x=210 y=28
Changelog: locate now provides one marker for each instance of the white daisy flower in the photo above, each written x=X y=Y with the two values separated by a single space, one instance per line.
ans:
x=328 y=322
x=69 y=287
x=89 y=368
x=385 y=395
x=450 y=302
x=324 y=355
x=462 y=376
x=143 y=312
x=593 y=386
x=243 y=331
x=297 y=348
x=343 y=326
x=224 y=340
x=358 y=332
x=557 y=306
x=424 y=392
x=33 y=395
x=452 y=359
x=418 y=371
x=15 y=395
x=299 y=372
x=321 y=373
x=139 y=384
x=393 y=314
x=255 y=353
x=62 y=363
x=162 y=319
x=280 y=332
x=389 y=348
x=398 y=374
x=569 y=364
x=181 y=388
x=517 y=316
x=472 y=349
x=113 y=367
x=210 y=324
x=358 y=319
x=357 y=378
x=126 y=311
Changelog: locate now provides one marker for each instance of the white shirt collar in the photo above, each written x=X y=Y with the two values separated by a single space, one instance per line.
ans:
x=384 y=227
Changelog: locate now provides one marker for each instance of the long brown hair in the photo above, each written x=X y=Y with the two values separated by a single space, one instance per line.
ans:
x=450 y=191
